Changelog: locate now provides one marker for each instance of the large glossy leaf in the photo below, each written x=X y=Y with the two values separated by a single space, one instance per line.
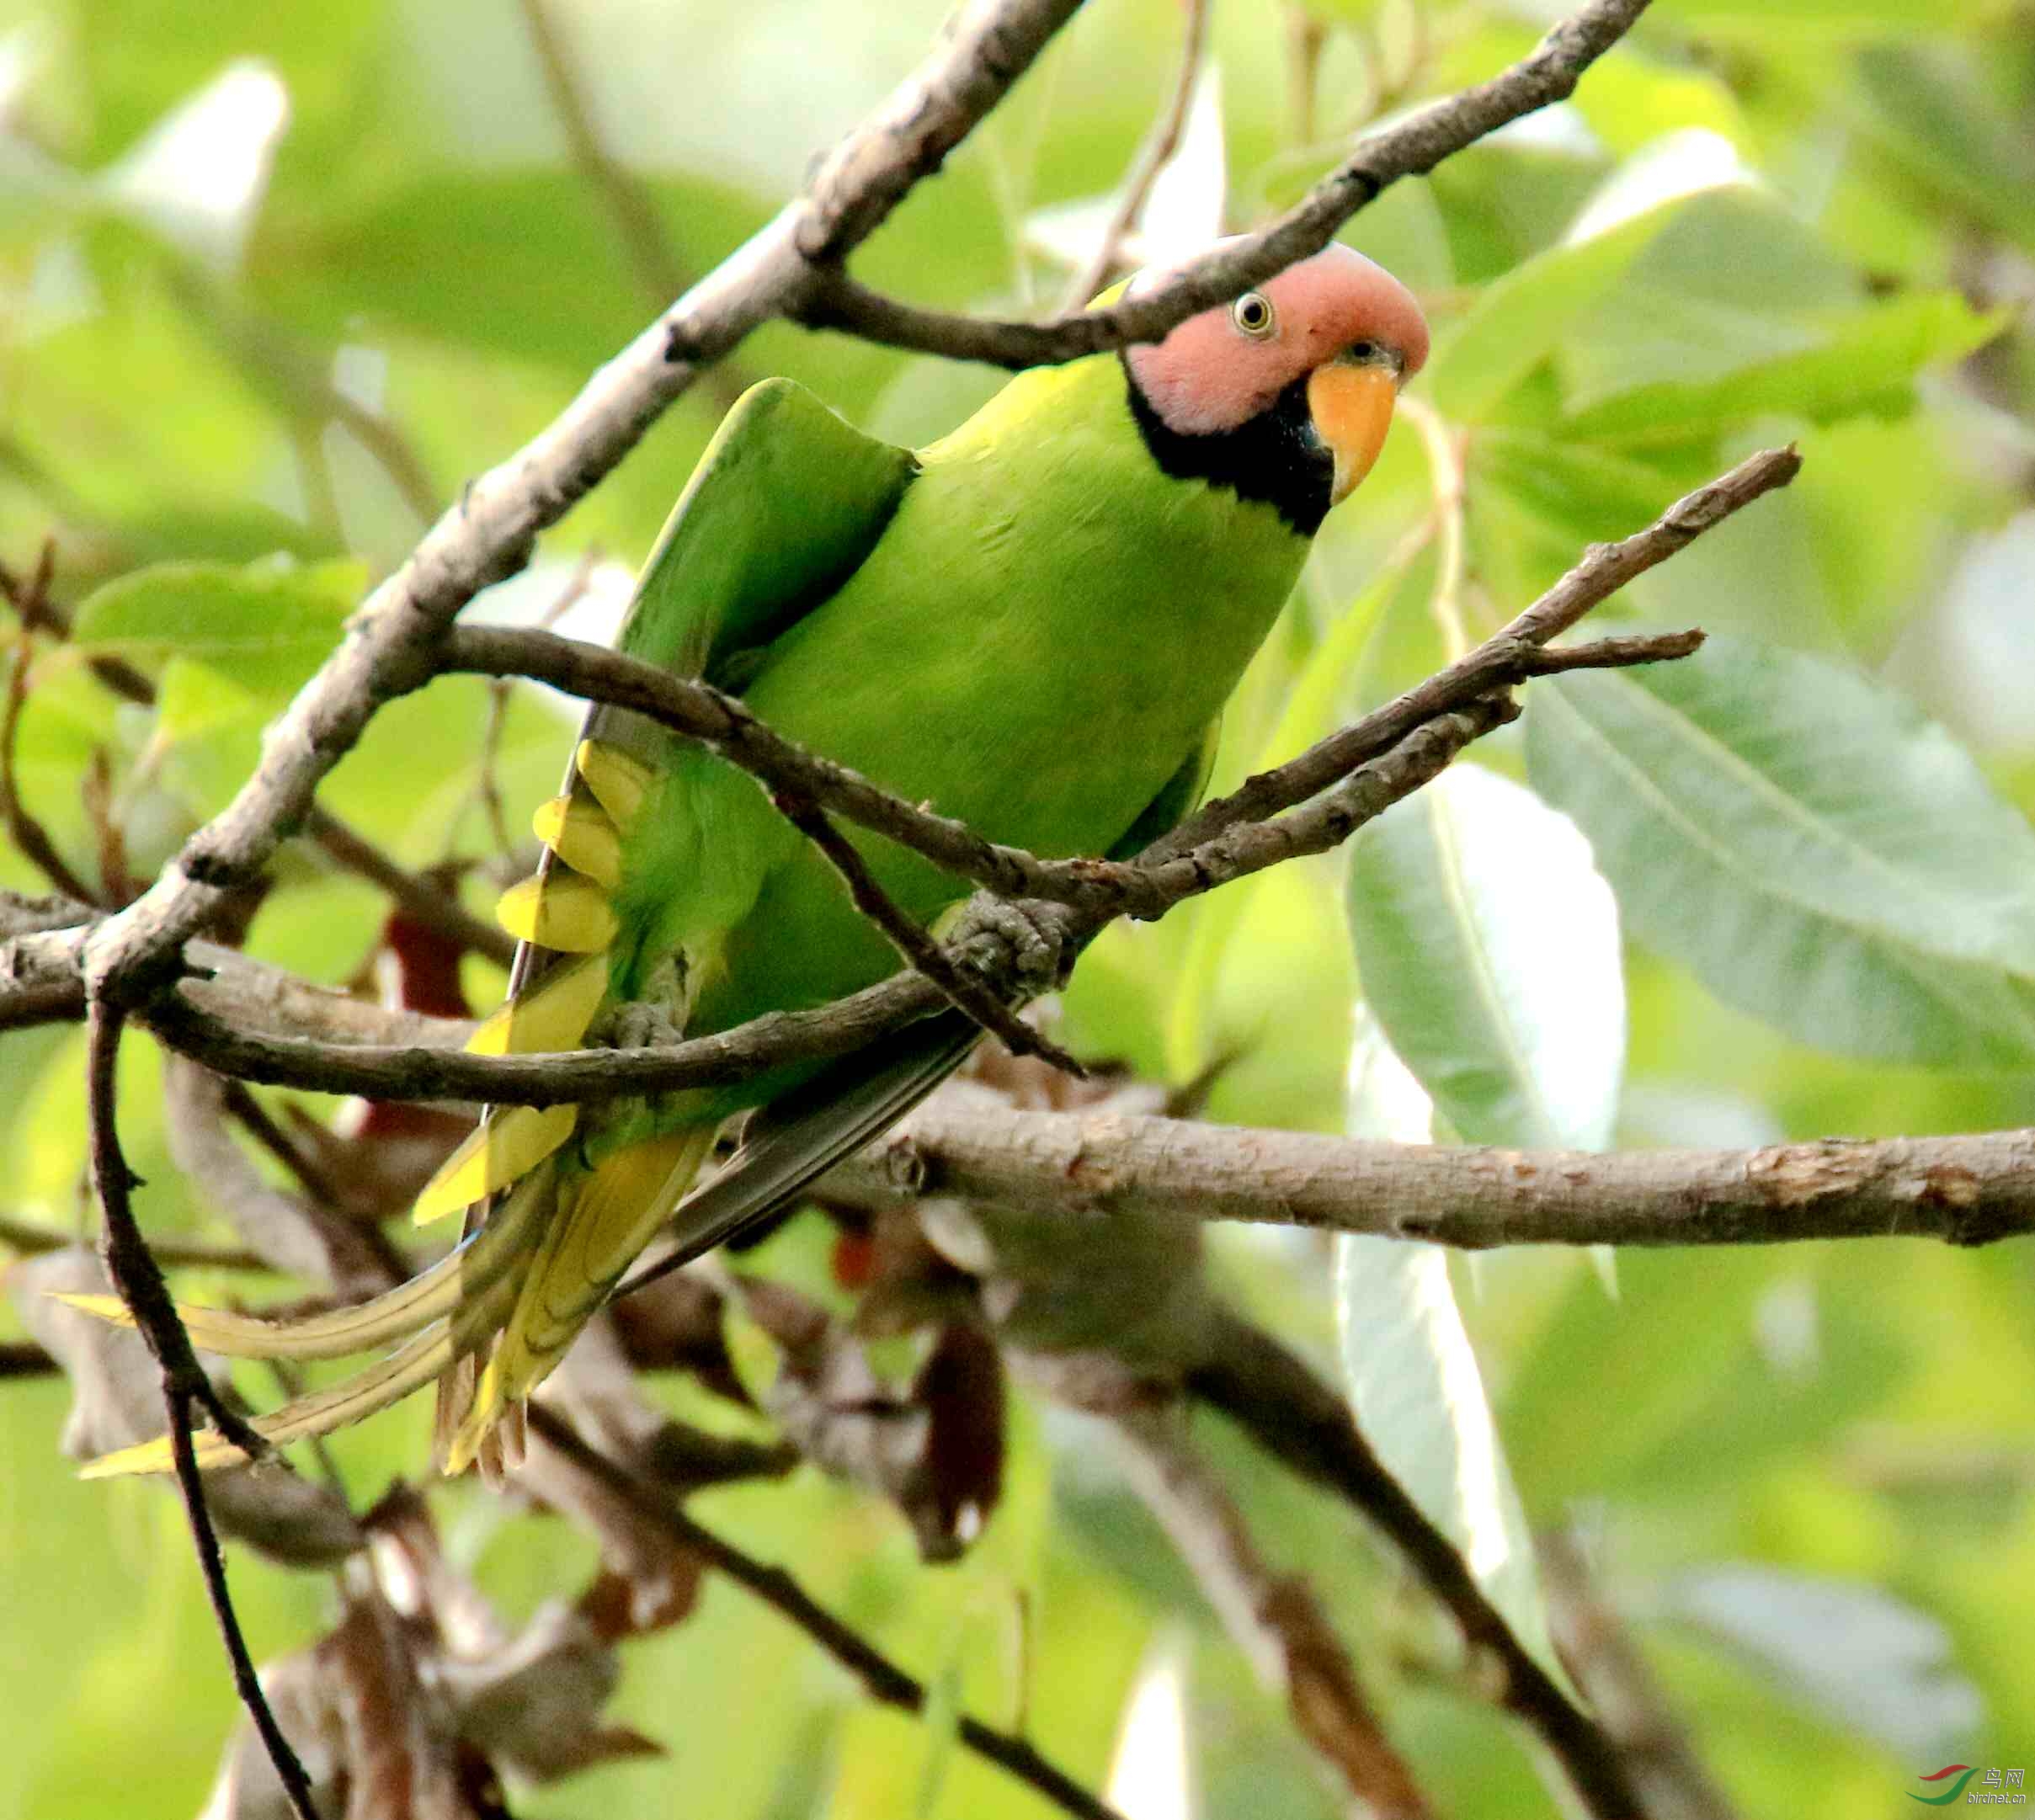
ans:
x=1487 y=944
x=1412 y=1374
x=1817 y=851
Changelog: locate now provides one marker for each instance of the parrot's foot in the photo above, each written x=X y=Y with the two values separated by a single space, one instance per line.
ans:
x=1033 y=935
x=640 y=1026
x=657 y=1018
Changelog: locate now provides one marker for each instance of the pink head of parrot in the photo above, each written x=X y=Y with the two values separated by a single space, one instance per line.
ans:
x=1216 y=371
x=1285 y=395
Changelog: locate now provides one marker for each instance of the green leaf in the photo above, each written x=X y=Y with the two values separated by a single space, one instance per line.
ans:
x=1508 y=1004
x=1819 y=853
x=1858 y=361
x=1939 y=122
x=1412 y=1375
x=208 y=731
x=267 y=626
x=1519 y=321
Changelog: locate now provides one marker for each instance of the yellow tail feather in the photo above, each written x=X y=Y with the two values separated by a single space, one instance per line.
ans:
x=502 y=1150
x=619 y=782
x=466 y=1274
x=552 y=1014
x=562 y=909
x=410 y=1368
x=592 y=1238
x=425 y=1356
x=579 y=831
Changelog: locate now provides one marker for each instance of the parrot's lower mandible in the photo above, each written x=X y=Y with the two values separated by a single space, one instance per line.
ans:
x=1032 y=624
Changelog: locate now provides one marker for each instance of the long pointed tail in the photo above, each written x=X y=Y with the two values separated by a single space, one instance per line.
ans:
x=606 y=1217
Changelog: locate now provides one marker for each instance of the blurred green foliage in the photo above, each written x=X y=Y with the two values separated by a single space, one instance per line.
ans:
x=1757 y=221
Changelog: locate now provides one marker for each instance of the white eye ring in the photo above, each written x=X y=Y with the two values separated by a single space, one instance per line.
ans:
x=1254 y=316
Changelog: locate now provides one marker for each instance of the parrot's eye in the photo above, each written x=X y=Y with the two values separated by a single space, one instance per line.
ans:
x=1252 y=312
x=1364 y=351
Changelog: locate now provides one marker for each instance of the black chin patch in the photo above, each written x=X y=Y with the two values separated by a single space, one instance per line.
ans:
x=1275 y=458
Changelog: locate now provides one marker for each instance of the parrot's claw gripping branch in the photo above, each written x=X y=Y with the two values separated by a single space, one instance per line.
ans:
x=962 y=987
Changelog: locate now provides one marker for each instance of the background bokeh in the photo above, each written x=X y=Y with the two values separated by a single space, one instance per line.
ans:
x=280 y=277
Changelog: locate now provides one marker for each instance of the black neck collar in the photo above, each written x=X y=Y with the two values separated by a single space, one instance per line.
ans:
x=1275 y=458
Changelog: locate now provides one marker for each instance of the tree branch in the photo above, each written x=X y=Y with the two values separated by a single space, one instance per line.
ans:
x=1274 y=1618
x=135 y=1274
x=388 y=650
x=1409 y=148
x=626 y=198
x=1971 y=1190
x=695 y=709
x=1159 y=145
x=1510 y=655
x=378 y=1072
x=915 y=944
x=1277 y=1399
x=1608 y=1666
x=433 y=905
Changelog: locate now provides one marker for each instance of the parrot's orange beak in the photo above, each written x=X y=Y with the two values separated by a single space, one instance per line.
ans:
x=1351 y=406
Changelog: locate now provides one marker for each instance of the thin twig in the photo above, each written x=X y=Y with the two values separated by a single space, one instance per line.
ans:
x=915 y=944
x=185 y=1387
x=1444 y=448
x=1159 y=145
x=32 y=1241
x=297 y=378
x=882 y=1678
x=1507 y=655
x=1284 y=1405
x=694 y=708
x=1305 y=36
x=487 y=786
x=28 y=834
x=345 y=846
x=1409 y=147
x=24 y=1359
x=656 y=267
x=432 y=904
x=1273 y=1617
x=1610 y=1669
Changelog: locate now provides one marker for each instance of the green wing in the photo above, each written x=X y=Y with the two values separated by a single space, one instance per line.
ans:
x=800 y=1136
x=784 y=504
x=787 y=503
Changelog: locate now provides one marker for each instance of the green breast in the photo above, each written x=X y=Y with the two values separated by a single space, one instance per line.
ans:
x=1037 y=642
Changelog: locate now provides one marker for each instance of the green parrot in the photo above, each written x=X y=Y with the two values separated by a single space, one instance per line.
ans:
x=1032 y=624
